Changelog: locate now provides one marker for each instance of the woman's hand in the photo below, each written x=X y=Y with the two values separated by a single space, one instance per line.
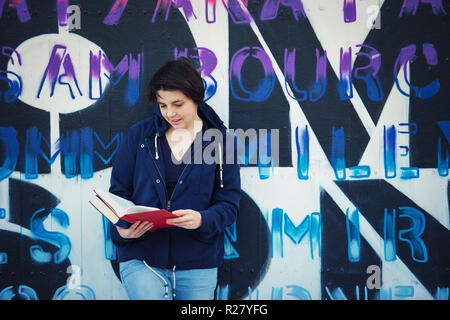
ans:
x=136 y=230
x=188 y=219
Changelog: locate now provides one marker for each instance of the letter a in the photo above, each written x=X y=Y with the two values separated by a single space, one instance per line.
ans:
x=374 y=280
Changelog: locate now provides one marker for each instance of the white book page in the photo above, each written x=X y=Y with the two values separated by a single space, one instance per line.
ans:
x=135 y=209
x=119 y=205
x=103 y=208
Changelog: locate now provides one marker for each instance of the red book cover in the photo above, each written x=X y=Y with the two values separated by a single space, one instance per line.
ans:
x=158 y=217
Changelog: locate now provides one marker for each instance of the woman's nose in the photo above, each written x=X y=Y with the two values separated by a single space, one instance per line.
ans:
x=170 y=112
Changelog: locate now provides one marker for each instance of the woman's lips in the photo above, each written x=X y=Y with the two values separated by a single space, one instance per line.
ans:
x=175 y=121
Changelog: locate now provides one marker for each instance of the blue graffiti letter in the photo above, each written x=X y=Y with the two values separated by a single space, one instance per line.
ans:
x=369 y=73
x=56 y=238
x=8 y=137
x=408 y=54
x=353 y=236
x=412 y=235
x=264 y=88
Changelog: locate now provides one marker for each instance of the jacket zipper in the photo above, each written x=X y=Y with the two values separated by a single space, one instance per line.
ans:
x=157 y=168
x=179 y=178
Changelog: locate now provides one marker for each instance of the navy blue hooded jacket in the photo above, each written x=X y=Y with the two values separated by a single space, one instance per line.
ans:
x=138 y=175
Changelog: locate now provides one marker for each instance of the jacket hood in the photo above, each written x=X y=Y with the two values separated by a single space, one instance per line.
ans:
x=210 y=117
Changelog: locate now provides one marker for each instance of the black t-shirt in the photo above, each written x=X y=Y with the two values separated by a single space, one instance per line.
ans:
x=172 y=170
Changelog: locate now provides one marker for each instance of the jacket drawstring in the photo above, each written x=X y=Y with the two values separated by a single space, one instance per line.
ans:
x=220 y=166
x=166 y=285
x=156 y=148
x=173 y=275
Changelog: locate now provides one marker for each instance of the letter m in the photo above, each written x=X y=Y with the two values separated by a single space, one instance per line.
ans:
x=311 y=223
x=34 y=139
x=117 y=138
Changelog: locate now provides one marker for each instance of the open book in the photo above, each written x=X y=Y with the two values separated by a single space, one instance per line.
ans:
x=115 y=209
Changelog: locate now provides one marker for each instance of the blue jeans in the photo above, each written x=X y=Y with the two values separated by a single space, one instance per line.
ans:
x=143 y=282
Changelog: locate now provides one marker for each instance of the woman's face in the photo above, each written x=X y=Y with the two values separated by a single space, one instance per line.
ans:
x=177 y=109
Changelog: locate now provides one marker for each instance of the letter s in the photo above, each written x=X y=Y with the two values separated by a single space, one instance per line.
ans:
x=56 y=238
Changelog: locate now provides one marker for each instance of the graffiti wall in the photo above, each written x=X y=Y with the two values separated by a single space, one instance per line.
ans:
x=351 y=200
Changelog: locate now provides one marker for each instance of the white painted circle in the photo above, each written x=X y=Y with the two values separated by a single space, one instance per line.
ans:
x=35 y=55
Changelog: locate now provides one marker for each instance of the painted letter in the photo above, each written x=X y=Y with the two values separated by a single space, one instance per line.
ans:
x=8 y=137
x=349 y=11
x=389 y=148
x=407 y=54
x=443 y=154
x=369 y=75
x=345 y=72
x=15 y=86
x=412 y=235
x=33 y=148
x=390 y=251
x=270 y=9
x=409 y=7
x=56 y=238
x=321 y=76
x=236 y=12
x=302 y=144
x=353 y=235
x=116 y=12
x=276 y=233
x=21 y=6
x=338 y=153
x=265 y=87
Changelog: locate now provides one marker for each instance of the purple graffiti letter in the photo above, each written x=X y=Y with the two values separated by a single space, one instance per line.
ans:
x=115 y=73
x=409 y=7
x=19 y=59
x=62 y=11
x=237 y=14
x=166 y=4
x=53 y=66
x=58 y=57
x=116 y=12
x=345 y=80
x=408 y=54
x=70 y=75
x=369 y=72
x=134 y=73
x=186 y=5
x=210 y=8
x=270 y=9
x=289 y=75
x=321 y=76
x=349 y=11
x=21 y=6
x=265 y=87
x=208 y=62
x=94 y=75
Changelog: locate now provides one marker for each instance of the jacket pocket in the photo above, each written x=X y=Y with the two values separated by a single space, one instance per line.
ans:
x=203 y=237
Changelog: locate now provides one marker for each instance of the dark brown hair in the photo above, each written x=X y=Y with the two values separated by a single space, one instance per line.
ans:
x=179 y=74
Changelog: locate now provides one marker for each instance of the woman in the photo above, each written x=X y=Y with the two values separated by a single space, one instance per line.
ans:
x=155 y=167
